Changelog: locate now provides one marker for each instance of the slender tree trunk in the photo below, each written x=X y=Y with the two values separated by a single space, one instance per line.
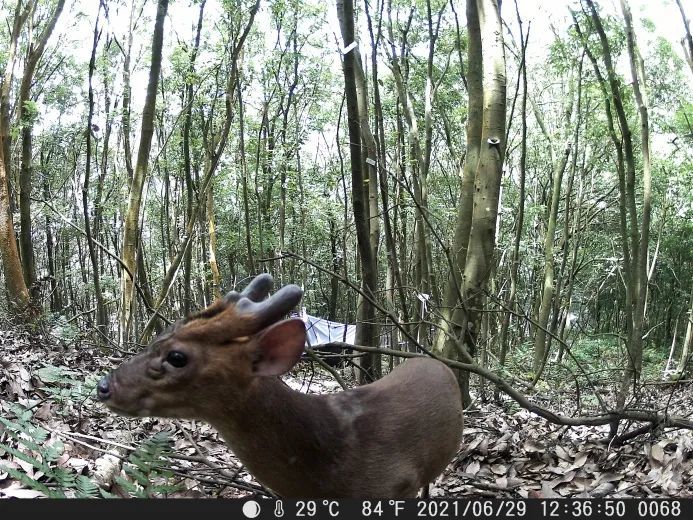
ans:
x=390 y=245
x=366 y=329
x=453 y=311
x=421 y=152
x=26 y=120
x=547 y=292
x=244 y=177
x=635 y=237
x=214 y=152
x=511 y=301
x=56 y=303
x=488 y=175
x=131 y=229
x=103 y=163
x=687 y=341
x=187 y=166
x=211 y=227
x=687 y=41
x=477 y=212
x=18 y=294
x=576 y=236
x=370 y=365
x=101 y=320
x=642 y=244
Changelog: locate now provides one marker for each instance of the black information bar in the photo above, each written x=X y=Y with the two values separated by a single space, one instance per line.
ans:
x=476 y=509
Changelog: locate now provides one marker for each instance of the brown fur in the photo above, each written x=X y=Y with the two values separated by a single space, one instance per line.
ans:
x=386 y=439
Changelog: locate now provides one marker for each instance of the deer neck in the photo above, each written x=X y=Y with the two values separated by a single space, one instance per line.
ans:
x=285 y=438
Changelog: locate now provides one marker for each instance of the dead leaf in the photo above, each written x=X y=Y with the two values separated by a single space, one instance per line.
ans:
x=563 y=479
x=657 y=453
x=44 y=412
x=547 y=491
x=562 y=454
x=580 y=460
x=24 y=374
x=603 y=490
x=16 y=491
x=26 y=467
x=499 y=469
x=533 y=446
x=472 y=468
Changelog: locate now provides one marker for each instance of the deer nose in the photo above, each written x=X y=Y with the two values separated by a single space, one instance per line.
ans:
x=103 y=389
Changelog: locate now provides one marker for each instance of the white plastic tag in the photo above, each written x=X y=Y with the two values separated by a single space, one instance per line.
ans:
x=349 y=47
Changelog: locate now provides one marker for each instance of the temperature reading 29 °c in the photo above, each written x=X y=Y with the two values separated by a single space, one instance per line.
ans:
x=310 y=508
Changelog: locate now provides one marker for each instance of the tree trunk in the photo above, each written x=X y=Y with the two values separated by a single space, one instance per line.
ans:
x=547 y=292
x=26 y=120
x=395 y=274
x=635 y=236
x=131 y=230
x=366 y=329
x=211 y=227
x=687 y=42
x=214 y=152
x=511 y=301
x=642 y=242
x=687 y=341
x=187 y=166
x=18 y=294
x=421 y=154
x=452 y=325
x=250 y=265
x=101 y=320
x=480 y=251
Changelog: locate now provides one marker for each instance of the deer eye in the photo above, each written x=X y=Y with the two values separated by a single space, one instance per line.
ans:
x=177 y=358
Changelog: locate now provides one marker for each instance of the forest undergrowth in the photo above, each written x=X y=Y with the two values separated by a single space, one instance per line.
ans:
x=56 y=439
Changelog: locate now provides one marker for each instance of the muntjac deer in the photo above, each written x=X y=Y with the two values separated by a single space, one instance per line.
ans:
x=386 y=439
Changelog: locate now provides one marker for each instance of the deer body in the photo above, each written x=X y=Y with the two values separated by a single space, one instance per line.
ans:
x=377 y=440
x=383 y=440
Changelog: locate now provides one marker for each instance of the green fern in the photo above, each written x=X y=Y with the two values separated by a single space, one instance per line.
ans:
x=85 y=488
x=64 y=384
x=30 y=447
x=146 y=470
x=22 y=455
x=149 y=475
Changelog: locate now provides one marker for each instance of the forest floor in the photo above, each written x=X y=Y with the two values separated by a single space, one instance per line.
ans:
x=53 y=434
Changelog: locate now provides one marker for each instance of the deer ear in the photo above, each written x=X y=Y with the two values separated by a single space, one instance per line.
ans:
x=279 y=347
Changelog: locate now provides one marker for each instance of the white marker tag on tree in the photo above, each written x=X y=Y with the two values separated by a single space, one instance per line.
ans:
x=370 y=161
x=349 y=47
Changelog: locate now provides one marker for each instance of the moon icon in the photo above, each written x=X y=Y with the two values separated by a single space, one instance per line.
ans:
x=251 y=509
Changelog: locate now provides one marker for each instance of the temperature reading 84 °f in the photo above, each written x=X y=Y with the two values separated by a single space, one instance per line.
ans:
x=369 y=508
x=309 y=508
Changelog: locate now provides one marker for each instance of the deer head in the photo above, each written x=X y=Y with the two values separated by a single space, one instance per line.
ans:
x=226 y=346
